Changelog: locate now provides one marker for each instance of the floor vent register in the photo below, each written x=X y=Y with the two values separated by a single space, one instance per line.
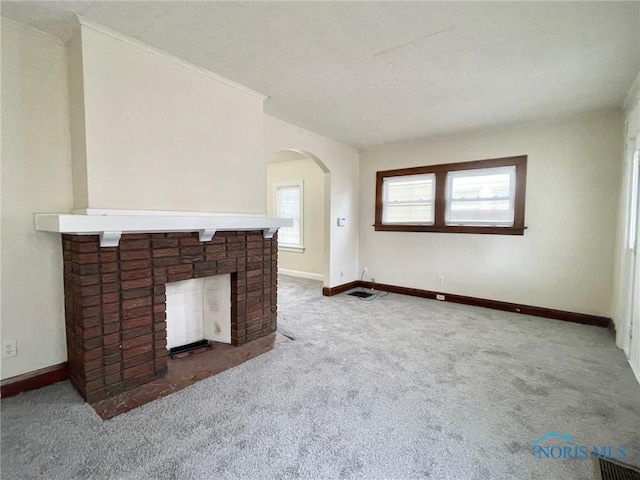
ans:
x=614 y=470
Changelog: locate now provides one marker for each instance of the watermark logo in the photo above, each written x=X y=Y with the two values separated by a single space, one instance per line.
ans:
x=556 y=446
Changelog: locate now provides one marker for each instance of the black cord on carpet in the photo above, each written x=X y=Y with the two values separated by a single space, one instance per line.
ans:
x=366 y=296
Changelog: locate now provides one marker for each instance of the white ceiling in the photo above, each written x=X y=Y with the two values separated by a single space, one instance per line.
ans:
x=368 y=73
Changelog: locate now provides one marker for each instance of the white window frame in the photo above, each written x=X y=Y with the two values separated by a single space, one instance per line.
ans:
x=511 y=170
x=290 y=247
x=405 y=178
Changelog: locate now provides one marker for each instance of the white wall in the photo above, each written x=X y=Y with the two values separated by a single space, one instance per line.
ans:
x=75 y=77
x=163 y=136
x=36 y=177
x=628 y=266
x=565 y=258
x=311 y=260
x=342 y=163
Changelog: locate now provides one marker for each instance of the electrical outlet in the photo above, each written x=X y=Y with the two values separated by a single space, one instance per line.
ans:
x=365 y=269
x=440 y=279
x=439 y=297
x=10 y=349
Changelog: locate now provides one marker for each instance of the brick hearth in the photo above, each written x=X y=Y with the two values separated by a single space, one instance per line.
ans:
x=115 y=300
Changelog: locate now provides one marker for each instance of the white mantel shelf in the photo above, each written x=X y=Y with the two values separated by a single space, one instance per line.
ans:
x=111 y=226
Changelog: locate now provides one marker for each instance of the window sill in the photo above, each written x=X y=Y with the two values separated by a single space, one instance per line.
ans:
x=291 y=249
x=451 y=229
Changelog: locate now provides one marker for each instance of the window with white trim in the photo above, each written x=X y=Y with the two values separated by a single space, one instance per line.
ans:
x=289 y=204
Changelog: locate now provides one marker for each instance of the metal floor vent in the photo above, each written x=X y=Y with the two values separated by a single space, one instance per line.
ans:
x=360 y=294
x=191 y=348
x=614 y=470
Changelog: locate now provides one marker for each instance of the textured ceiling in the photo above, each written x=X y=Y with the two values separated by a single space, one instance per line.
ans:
x=368 y=73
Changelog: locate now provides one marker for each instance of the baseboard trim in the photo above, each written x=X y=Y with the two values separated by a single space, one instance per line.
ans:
x=331 y=291
x=573 y=317
x=299 y=274
x=34 y=380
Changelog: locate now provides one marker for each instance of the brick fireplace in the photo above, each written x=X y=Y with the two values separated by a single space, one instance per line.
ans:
x=115 y=302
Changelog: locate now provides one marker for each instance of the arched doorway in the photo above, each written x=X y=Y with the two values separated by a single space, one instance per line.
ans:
x=297 y=178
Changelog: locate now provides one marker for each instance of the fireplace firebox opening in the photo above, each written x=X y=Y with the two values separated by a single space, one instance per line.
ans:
x=198 y=314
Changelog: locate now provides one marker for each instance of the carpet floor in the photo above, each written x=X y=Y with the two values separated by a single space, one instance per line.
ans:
x=395 y=388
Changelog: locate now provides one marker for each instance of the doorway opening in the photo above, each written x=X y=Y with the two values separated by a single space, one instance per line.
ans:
x=298 y=187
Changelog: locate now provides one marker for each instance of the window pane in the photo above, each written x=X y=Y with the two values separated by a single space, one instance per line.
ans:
x=409 y=199
x=481 y=197
x=288 y=206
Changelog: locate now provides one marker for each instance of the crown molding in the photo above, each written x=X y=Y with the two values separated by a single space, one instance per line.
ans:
x=84 y=22
x=310 y=133
x=36 y=32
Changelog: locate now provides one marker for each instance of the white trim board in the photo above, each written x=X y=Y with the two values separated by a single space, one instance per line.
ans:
x=299 y=274
x=114 y=211
x=111 y=227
